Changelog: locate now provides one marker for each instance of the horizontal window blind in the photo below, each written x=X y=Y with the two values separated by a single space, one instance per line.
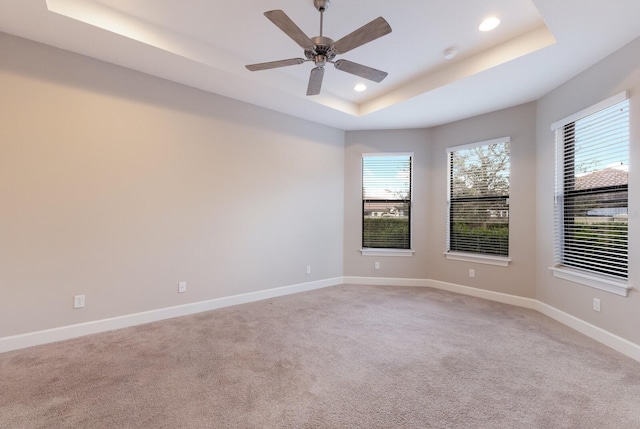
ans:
x=479 y=198
x=592 y=192
x=386 y=201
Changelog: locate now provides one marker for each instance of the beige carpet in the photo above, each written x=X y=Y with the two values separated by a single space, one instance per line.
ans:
x=341 y=357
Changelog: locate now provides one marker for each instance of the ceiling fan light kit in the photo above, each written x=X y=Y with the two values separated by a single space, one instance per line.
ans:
x=322 y=50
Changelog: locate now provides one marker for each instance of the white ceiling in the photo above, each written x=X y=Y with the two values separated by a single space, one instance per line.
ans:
x=206 y=43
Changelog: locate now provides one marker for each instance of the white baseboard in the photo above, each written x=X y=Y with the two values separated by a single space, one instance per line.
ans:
x=385 y=281
x=16 y=342
x=617 y=343
x=613 y=341
x=451 y=287
x=72 y=331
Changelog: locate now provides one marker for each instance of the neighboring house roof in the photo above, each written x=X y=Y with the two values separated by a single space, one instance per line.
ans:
x=612 y=176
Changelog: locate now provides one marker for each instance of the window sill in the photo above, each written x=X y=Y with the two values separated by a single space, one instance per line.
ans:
x=607 y=284
x=478 y=259
x=386 y=252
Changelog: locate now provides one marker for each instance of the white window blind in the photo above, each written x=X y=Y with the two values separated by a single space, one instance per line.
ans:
x=386 y=201
x=592 y=177
x=478 y=198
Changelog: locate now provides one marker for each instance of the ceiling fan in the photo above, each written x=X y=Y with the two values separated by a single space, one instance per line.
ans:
x=322 y=50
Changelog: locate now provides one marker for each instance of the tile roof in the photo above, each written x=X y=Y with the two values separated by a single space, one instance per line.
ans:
x=607 y=177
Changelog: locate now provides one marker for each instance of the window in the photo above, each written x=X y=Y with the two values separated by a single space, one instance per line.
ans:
x=592 y=179
x=386 y=201
x=478 y=199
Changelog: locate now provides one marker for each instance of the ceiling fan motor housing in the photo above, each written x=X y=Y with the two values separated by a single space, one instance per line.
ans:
x=322 y=52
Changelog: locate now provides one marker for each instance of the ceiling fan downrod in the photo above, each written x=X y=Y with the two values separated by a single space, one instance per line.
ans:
x=321 y=5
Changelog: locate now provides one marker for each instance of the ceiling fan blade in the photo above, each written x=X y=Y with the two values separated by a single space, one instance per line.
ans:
x=275 y=64
x=360 y=70
x=315 y=81
x=365 y=34
x=284 y=23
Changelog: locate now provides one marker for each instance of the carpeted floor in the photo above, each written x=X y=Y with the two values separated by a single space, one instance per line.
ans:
x=341 y=357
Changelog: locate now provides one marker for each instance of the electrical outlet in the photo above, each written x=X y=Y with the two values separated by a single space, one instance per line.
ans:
x=308 y=269
x=182 y=287
x=376 y=265
x=78 y=301
x=472 y=272
x=596 y=304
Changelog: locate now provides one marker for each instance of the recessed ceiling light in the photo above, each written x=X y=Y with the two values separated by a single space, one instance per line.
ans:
x=360 y=87
x=489 y=24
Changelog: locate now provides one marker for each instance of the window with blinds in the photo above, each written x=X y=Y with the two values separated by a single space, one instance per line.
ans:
x=478 y=198
x=592 y=189
x=386 y=201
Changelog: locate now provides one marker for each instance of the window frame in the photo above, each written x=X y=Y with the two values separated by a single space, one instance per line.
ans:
x=387 y=251
x=479 y=258
x=591 y=278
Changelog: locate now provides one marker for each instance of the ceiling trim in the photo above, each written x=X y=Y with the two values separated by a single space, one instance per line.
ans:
x=525 y=44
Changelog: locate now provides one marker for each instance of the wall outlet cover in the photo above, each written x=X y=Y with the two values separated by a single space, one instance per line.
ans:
x=78 y=301
x=596 y=304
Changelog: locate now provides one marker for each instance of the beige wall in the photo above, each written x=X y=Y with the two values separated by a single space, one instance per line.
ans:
x=619 y=72
x=519 y=277
x=357 y=143
x=430 y=196
x=118 y=185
